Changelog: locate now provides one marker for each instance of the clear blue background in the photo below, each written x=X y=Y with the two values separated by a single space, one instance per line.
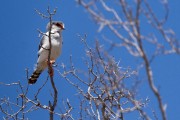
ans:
x=19 y=43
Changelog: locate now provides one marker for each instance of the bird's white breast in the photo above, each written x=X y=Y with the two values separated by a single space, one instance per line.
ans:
x=56 y=45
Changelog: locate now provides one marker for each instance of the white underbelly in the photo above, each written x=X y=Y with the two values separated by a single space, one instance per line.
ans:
x=55 y=52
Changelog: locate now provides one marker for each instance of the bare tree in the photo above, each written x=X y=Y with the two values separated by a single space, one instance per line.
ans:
x=102 y=89
x=125 y=20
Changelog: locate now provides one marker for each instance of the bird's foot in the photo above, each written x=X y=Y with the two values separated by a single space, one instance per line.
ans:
x=50 y=66
x=50 y=62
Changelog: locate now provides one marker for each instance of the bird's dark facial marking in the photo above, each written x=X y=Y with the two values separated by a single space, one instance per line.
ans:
x=59 y=25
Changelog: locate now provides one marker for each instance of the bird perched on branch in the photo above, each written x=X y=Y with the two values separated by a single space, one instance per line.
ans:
x=55 y=38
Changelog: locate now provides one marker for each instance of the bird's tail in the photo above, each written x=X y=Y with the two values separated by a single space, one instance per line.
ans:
x=34 y=77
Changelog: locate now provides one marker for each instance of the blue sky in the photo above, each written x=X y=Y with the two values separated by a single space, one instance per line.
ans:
x=19 y=43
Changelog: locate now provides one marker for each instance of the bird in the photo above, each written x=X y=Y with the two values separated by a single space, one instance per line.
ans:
x=55 y=28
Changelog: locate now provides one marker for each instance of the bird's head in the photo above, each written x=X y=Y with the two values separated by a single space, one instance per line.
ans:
x=56 y=25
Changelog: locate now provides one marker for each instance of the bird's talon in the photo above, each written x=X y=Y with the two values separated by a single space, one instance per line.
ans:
x=51 y=61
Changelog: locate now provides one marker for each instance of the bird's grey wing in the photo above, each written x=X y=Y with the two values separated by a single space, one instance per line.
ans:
x=41 y=43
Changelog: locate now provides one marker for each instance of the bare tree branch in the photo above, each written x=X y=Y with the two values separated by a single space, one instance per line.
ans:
x=127 y=26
